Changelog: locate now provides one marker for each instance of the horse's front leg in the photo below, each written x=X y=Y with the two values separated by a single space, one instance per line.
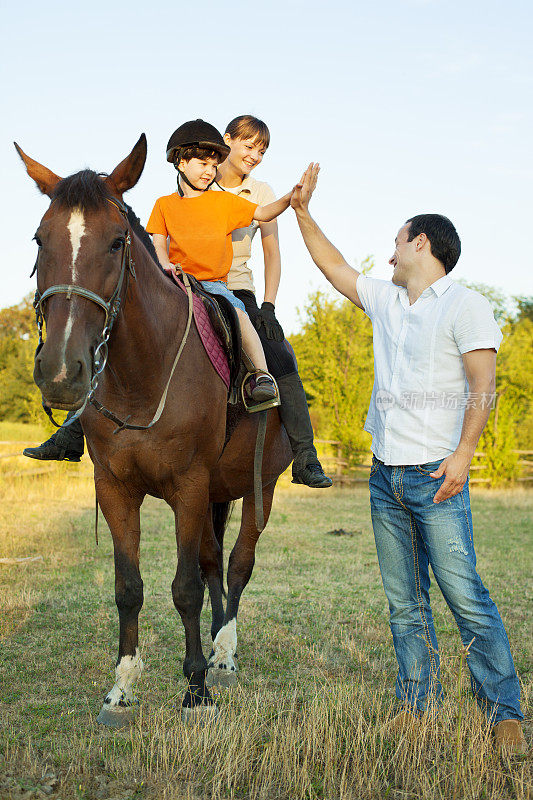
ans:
x=212 y=568
x=121 y=511
x=190 y=505
x=222 y=664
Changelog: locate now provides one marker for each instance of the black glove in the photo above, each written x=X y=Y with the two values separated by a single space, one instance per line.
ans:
x=267 y=318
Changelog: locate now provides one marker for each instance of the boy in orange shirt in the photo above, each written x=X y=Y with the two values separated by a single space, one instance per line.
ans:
x=198 y=224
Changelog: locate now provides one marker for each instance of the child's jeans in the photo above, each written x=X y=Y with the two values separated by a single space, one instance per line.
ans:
x=219 y=287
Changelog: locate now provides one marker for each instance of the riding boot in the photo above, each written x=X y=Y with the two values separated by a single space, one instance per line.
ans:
x=66 y=444
x=306 y=467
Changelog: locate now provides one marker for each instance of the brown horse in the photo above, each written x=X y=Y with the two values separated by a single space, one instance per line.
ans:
x=89 y=251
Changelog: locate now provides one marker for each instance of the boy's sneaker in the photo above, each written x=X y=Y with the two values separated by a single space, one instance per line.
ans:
x=261 y=387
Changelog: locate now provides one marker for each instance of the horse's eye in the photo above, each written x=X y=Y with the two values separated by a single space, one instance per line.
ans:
x=39 y=243
x=117 y=245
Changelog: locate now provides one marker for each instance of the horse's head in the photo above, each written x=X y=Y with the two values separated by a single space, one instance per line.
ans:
x=82 y=240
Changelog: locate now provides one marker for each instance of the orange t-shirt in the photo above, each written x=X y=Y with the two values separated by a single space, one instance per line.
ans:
x=200 y=230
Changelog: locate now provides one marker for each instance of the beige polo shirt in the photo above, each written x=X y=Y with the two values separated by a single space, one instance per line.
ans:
x=240 y=275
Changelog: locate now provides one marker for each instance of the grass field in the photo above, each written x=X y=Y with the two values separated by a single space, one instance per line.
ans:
x=317 y=666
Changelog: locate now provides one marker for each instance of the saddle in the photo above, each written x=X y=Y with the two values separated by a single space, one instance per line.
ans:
x=225 y=322
x=219 y=329
x=223 y=331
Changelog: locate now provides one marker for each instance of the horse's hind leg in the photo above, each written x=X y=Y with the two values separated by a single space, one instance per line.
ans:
x=222 y=666
x=121 y=511
x=188 y=591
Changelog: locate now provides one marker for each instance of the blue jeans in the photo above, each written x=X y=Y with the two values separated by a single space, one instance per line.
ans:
x=219 y=287
x=412 y=532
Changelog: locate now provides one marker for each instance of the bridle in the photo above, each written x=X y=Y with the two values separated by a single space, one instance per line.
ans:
x=111 y=308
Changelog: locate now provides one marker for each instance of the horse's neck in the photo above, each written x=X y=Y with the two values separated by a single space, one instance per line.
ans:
x=152 y=314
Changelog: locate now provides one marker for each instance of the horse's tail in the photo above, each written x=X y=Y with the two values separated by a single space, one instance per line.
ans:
x=221 y=516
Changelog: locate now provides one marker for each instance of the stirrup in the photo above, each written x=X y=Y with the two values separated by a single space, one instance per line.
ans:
x=251 y=407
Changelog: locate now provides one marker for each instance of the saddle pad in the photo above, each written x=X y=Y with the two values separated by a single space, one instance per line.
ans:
x=210 y=339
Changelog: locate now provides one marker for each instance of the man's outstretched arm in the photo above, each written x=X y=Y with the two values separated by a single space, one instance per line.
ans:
x=325 y=255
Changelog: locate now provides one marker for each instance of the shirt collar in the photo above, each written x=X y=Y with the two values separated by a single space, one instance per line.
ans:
x=438 y=287
x=245 y=187
x=441 y=285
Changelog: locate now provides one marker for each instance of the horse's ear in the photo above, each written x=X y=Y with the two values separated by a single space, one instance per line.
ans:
x=128 y=171
x=45 y=179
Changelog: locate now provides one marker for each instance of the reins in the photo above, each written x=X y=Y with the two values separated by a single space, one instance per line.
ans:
x=111 y=308
x=124 y=424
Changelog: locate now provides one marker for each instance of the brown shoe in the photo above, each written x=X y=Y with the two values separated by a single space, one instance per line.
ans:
x=403 y=722
x=509 y=737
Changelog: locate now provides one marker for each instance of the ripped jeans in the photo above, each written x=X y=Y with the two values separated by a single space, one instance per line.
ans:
x=411 y=533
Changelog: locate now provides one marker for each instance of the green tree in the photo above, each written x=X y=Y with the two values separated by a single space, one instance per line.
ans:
x=334 y=351
x=510 y=426
x=525 y=308
x=20 y=399
x=498 y=443
x=514 y=378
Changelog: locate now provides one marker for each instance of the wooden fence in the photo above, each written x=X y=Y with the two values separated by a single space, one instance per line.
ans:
x=525 y=465
x=336 y=464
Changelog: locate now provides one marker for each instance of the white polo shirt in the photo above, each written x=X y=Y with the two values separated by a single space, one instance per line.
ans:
x=420 y=389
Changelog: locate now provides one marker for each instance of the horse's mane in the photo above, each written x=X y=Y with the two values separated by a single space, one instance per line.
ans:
x=86 y=190
x=145 y=238
x=83 y=190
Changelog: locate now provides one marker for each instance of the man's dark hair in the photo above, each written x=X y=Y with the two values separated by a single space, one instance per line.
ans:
x=444 y=240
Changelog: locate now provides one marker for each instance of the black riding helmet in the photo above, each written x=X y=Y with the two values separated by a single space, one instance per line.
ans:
x=195 y=133
x=199 y=133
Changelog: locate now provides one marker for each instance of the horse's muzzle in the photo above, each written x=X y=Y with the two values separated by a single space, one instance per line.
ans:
x=63 y=406
x=65 y=387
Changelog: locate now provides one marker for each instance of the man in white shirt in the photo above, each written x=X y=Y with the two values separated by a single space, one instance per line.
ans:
x=435 y=345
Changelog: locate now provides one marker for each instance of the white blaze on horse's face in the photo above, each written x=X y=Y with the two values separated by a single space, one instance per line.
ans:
x=76 y=227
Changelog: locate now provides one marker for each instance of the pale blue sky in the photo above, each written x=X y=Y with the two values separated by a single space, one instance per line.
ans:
x=409 y=106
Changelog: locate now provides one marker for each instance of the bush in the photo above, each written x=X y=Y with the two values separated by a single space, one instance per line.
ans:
x=497 y=442
x=20 y=399
x=334 y=351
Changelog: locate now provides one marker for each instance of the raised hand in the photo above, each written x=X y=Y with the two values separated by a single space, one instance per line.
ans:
x=303 y=191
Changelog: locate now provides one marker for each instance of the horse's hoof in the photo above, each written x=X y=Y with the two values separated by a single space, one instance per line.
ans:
x=116 y=716
x=199 y=715
x=220 y=677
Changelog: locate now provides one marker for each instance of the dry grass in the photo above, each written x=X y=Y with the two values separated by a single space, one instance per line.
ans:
x=314 y=647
